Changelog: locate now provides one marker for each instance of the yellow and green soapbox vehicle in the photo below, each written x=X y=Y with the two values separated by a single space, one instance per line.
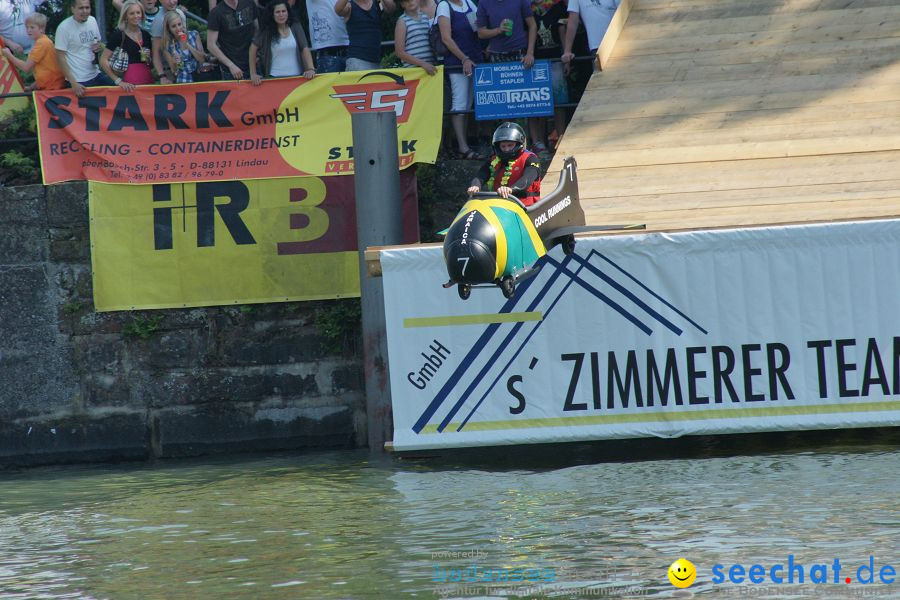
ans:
x=496 y=242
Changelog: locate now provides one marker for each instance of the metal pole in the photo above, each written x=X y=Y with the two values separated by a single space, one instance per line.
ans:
x=100 y=15
x=378 y=223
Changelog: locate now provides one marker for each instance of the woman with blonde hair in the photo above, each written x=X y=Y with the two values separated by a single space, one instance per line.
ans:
x=181 y=49
x=135 y=42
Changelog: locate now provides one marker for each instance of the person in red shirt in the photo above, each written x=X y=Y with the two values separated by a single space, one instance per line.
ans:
x=512 y=168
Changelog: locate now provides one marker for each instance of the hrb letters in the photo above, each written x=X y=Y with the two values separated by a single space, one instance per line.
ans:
x=206 y=194
x=307 y=223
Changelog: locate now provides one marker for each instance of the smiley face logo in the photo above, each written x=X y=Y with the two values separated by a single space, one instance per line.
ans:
x=682 y=573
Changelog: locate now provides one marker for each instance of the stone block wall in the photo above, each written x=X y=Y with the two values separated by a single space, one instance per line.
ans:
x=76 y=385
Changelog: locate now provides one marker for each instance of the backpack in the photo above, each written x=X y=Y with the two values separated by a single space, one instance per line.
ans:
x=434 y=38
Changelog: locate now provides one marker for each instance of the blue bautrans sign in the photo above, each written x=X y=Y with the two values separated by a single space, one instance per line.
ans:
x=510 y=91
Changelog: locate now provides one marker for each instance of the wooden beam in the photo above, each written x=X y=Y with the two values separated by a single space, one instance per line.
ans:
x=612 y=33
x=833 y=32
x=771 y=22
x=373 y=256
x=780 y=214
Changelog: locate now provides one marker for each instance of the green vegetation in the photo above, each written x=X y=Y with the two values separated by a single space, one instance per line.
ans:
x=18 y=165
x=428 y=181
x=142 y=327
x=390 y=61
x=338 y=322
x=72 y=307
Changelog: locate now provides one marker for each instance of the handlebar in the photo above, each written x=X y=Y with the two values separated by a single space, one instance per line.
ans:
x=516 y=193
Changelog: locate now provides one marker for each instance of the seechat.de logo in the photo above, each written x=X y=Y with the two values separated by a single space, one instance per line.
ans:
x=796 y=572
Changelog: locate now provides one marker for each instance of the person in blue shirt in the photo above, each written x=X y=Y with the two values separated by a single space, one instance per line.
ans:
x=363 y=19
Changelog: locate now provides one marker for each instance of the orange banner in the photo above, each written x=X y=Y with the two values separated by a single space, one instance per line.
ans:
x=231 y=130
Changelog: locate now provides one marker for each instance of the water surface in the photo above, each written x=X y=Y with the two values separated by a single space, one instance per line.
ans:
x=350 y=525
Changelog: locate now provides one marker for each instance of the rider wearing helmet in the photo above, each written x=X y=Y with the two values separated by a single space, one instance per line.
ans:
x=511 y=168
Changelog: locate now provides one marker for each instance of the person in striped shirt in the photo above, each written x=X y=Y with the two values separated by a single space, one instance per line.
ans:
x=411 y=38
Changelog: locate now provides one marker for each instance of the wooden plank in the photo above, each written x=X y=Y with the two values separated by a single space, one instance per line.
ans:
x=841 y=50
x=668 y=11
x=651 y=92
x=373 y=256
x=777 y=194
x=729 y=175
x=728 y=178
x=600 y=106
x=836 y=83
x=757 y=23
x=631 y=45
x=740 y=151
x=614 y=127
x=681 y=72
x=750 y=131
x=735 y=113
x=734 y=175
x=715 y=10
x=612 y=33
x=740 y=217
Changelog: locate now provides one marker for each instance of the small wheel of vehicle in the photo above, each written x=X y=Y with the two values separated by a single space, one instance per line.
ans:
x=569 y=244
x=464 y=290
x=508 y=287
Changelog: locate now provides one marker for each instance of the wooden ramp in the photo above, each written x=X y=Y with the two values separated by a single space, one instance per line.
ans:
x=722 y=113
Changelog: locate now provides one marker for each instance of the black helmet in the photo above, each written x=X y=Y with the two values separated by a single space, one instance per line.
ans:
x=509 y=132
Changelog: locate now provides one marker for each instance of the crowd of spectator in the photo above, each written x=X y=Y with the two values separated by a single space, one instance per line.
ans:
x=152 y=43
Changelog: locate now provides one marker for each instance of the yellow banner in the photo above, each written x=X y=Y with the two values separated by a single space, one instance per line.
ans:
x=10 y=84
x=228 y=242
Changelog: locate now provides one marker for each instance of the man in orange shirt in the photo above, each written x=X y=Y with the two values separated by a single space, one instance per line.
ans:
x=47 y=74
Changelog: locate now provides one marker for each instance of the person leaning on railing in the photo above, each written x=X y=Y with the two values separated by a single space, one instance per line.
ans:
x=156 y=33
x=328 y=37
x=363 y=19
x=548 y=15
x=230 y=30
x=411 y=38
x=77 y=44
x=151 y=12
x=41 y=59
x=182 y=49
x=596 y=16
x=456 y=22
x=135 y=42
x=280 y=45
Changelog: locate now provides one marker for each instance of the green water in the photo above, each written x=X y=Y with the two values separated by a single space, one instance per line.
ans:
x=347 y=525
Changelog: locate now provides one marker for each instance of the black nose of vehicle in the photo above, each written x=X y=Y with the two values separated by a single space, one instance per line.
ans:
x=470 y=250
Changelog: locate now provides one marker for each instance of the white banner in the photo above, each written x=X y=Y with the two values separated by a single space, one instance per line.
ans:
x=661 y=335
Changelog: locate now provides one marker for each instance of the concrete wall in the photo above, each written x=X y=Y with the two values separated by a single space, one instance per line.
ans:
x=77 y=385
